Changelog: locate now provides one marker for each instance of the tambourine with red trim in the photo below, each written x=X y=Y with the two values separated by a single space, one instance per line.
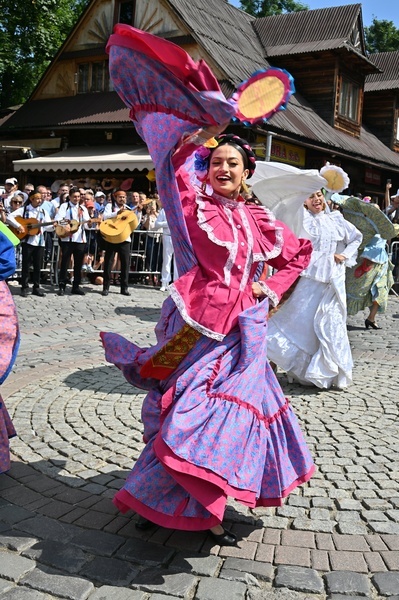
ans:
x=263 y=94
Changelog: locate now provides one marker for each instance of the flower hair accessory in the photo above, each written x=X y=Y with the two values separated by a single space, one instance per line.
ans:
x=201 y=162
x=202 y=155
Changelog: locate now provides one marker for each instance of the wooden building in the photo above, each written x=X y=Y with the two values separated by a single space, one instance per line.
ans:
x=75 y=125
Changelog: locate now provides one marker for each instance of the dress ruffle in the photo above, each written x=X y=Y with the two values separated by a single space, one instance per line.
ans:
x=7 y=431
x=372 y=286
x=172 y=483
x=215 y=404
x=318 y=352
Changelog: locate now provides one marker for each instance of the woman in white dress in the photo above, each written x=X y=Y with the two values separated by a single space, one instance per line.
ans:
x=307 y=336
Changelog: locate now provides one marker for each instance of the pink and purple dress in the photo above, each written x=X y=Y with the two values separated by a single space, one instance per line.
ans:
x=9 y=343
x=219 y=425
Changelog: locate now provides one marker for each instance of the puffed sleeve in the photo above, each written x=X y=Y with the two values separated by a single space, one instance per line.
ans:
x=293 y=259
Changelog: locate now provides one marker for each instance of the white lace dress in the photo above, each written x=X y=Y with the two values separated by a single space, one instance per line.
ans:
x=307 y=336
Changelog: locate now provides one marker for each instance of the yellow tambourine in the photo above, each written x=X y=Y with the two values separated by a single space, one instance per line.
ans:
x=263 y=94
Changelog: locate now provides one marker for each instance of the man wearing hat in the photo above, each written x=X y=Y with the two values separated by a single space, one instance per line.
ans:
x=11 y=186
x=99 y=201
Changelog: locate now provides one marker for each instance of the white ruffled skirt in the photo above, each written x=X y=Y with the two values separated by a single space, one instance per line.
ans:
x=307 y=336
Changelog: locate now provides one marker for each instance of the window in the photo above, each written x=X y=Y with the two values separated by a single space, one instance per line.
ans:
x=126 y=12
x=349 y=100
x=93 y=77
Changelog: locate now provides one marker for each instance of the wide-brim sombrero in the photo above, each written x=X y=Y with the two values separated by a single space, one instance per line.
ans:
x=368 y=218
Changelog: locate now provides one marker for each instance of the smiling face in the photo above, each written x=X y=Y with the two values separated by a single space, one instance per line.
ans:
x=226 y=171
x=315 y=203
x=74 y=197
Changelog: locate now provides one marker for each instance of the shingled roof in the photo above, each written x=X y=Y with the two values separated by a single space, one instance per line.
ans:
x=388 y=79
x=106 y=107
x=226 y=34
x=230 y=37
x=301 y=120
x=311 y=31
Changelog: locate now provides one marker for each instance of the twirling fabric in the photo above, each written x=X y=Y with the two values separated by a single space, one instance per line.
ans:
x=373 y=283
x=219 y=424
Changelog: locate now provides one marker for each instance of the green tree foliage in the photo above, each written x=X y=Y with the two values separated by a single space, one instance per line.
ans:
x=31 y=32
x=381 y=36
x=266 y=8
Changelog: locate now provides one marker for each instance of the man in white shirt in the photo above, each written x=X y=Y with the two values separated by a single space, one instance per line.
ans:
x=167 y=251
x=73 y=240
x=32 y=245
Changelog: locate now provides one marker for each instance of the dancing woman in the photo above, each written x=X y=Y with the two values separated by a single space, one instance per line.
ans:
x=369 y=281
x=216 y=423
x=307 y=336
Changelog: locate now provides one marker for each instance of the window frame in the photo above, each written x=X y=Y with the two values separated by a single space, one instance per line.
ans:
x=88 y=87
x=349 y=106
x=117 y=13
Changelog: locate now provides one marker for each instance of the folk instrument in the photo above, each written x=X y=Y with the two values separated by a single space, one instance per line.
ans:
x=32 y=227
x=118 y=229
x=66 y=228
x=264 y=93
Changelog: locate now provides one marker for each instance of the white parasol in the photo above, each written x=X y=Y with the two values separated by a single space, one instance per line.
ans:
x=283 y=188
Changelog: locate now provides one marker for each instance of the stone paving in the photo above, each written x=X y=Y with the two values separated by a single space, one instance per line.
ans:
x=79 y=431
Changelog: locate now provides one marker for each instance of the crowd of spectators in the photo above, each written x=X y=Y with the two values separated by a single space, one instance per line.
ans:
x=146 y=246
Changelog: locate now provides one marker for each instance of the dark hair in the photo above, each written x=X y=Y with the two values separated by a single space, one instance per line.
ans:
x=242 y=146
x=115 y=191
x=73 y=190
x=34 y=192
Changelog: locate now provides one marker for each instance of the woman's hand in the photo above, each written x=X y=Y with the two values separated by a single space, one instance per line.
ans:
x=210 y=132
x=339 y=258
x=256 y=290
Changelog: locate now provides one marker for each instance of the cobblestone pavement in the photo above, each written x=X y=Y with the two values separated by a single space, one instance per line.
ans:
x=79 y=432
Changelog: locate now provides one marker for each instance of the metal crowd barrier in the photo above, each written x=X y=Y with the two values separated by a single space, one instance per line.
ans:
x=145 y=258
x=394 y=258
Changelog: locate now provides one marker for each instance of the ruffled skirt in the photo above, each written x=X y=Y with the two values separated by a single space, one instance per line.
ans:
x=372 y=286
x=7 y=431
x=219 y=426
x=307 y=336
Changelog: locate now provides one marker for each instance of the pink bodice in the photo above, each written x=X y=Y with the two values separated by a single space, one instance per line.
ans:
x=230 y=239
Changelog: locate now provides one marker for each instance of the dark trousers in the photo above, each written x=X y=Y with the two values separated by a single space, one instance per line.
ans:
x=123 y=251
x=77 y=250
x=31 y=255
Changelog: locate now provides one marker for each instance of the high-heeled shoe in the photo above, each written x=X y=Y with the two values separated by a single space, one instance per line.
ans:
x=227 y=538
x=371 y=324
x=142 y=524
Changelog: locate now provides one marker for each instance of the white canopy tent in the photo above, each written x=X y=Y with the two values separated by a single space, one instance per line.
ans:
x=89 y=158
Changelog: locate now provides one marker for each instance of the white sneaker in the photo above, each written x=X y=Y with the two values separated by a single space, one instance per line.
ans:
x=162 y=289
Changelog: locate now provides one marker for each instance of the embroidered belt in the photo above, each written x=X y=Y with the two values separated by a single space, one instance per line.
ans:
x=167 y=359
